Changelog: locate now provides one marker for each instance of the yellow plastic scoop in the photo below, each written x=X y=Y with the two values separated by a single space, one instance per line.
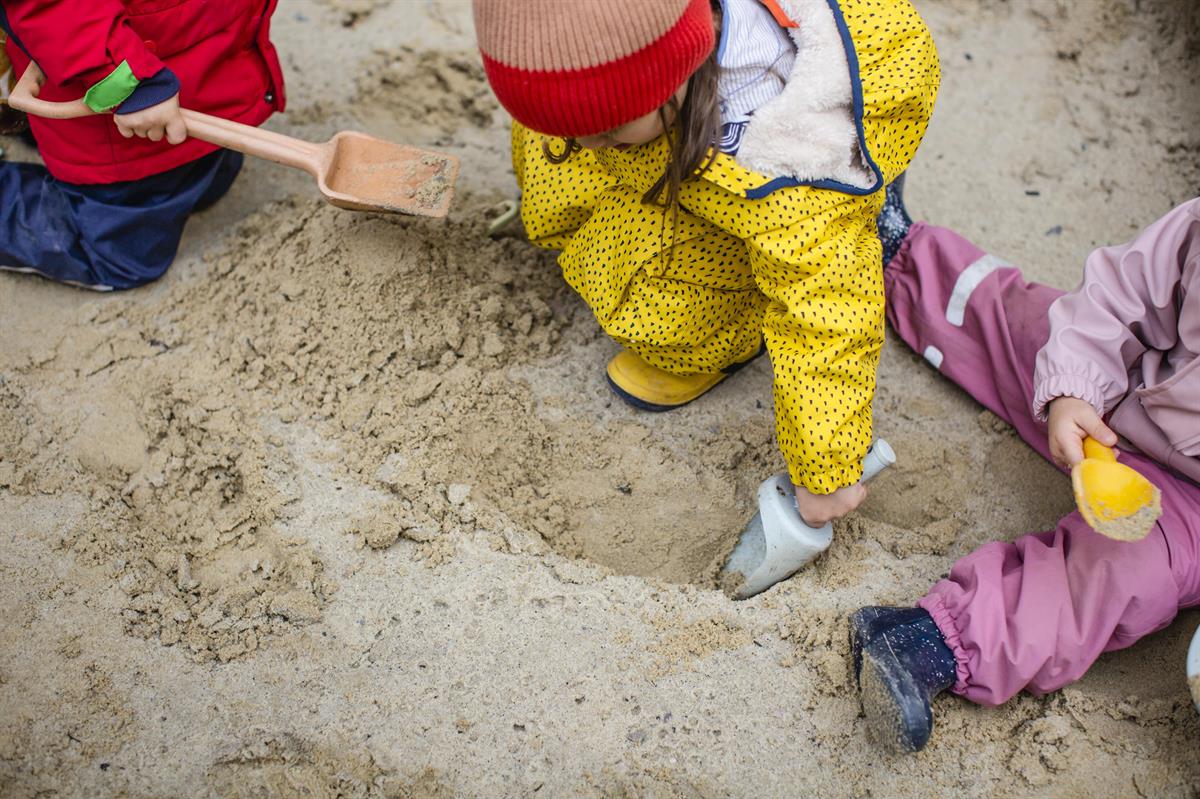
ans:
x=1114 y=499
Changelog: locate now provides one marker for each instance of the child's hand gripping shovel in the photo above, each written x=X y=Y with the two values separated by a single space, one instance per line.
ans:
x=353 y=170
x=777 y=543
x=1113 y=499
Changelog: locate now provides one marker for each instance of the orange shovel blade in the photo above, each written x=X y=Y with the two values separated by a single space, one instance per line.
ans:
x=370 y=174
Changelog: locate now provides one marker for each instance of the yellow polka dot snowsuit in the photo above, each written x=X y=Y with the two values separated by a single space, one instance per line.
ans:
x=797 y=267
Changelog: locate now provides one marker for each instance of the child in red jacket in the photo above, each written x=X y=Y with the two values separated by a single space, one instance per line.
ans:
x=108 y=209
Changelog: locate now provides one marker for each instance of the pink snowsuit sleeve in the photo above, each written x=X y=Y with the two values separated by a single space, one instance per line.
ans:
x=1126 y=304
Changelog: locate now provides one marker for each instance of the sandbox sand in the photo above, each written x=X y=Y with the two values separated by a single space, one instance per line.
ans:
x=343 y=507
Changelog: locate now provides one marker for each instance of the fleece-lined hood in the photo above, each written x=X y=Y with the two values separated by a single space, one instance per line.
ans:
x=808 y=130
x=844 y=120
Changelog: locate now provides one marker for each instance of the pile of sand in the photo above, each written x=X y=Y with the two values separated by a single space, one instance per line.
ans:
x=394 y=338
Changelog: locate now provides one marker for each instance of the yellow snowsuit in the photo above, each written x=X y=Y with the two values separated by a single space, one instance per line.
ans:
x=753 y=258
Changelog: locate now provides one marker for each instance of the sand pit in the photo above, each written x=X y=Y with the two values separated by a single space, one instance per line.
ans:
x=343 y=506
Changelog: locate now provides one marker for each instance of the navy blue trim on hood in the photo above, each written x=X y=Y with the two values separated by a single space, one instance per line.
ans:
x=857 y=99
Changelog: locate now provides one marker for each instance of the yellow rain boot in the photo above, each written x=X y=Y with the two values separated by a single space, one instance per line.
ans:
x=652 y=389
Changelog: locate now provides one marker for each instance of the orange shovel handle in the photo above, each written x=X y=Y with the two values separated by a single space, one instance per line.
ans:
x=24 y=97
x=214 y=130
x=255 y=141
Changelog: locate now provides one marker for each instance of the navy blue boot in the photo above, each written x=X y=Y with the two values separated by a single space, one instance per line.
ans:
x=901 y=662
x=893 y=221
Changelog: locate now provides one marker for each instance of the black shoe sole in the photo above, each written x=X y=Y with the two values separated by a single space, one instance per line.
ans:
x=641 y=404
x=652 y=407
x=898 y=713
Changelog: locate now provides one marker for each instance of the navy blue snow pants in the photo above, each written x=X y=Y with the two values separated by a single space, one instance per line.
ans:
x=107 y=236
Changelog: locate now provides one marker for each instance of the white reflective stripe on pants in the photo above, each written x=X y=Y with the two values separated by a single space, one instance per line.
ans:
x=968 y=280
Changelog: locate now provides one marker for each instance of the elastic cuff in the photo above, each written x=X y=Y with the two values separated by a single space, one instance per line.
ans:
x=161 y=86
x=941 y=617
x=1065 y=385
x=113 y=90
x=902 y=255
x=826 y=482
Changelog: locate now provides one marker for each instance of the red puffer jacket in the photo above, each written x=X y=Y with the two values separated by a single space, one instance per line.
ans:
x=219 y=50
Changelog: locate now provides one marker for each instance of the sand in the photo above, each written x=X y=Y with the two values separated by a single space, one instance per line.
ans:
x=1133 y=527
x=343 y=507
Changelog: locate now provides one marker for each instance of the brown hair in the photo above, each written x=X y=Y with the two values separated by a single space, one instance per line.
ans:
x=692 y=133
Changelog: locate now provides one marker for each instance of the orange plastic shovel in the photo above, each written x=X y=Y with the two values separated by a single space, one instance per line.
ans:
x=353 y=170
x=1114 y=499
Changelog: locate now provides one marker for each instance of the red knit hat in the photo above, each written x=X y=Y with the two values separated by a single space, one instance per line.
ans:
x=583 y=67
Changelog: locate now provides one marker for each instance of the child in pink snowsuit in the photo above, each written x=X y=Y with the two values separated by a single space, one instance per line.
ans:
x=1124 y=347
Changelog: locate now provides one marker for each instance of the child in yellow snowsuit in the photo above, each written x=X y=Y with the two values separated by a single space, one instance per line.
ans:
x=715 y=196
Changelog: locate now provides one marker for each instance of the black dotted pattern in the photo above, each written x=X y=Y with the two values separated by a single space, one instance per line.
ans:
x=799 y=269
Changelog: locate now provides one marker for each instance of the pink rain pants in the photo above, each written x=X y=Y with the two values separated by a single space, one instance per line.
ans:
x=1035 y=613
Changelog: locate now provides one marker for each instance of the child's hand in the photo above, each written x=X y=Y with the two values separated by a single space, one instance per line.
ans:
x=1070 y=421
x=154 y=122
x=817 y=509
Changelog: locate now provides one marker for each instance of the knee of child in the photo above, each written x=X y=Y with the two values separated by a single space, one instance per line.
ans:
x=1093 y=556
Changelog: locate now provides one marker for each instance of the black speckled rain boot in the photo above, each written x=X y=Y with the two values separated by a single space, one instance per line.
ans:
x=893 y=221
x=901 y=662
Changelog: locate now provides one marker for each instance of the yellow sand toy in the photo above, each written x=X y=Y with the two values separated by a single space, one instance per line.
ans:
x=1115 y=500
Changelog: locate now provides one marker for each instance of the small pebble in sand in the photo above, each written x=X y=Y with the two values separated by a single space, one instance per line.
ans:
x=457 y=493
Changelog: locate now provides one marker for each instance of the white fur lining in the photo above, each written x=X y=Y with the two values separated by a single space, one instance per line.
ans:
x=808 y=130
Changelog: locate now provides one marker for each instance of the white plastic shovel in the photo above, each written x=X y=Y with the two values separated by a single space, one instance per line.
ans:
x=777 y=543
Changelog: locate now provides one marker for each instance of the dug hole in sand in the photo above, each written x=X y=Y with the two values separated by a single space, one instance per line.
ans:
x=343 y=506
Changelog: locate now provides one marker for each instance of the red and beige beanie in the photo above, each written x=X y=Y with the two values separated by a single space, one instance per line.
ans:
x=583 y=67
